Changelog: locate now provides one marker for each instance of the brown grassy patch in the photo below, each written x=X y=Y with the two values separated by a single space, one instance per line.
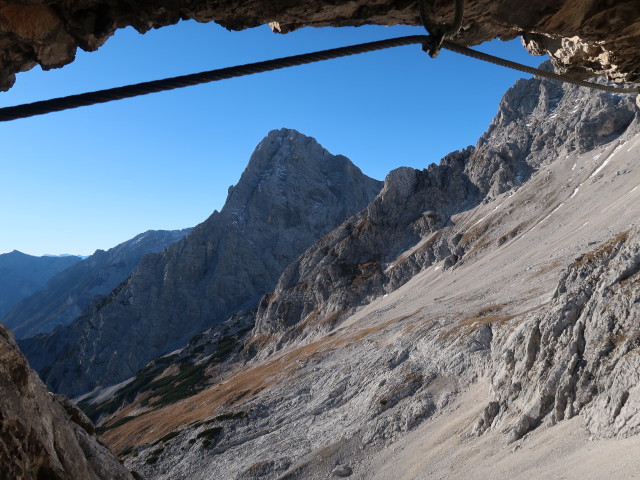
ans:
x=474 y=233
x=489 y=310
x=489 y=314
x=550 y=267
x=480 y=246
x=603 y=250
x=331 y=318
x=477 y=322
x=258 y=341
x=367 y=270
x=240 y=386
x=313 y=315
x=172 y=370
x=511 y=233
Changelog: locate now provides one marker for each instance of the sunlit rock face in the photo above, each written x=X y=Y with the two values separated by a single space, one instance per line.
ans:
x=583 y=38
x=44 y=435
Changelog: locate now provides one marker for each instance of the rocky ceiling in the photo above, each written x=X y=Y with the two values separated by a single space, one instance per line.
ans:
x=583 y=37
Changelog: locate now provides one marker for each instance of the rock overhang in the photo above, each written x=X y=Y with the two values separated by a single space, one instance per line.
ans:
x=583 y=39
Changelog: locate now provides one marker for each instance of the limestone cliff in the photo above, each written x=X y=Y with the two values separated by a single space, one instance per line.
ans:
x=403 y=230
x=292 y=193
x=580 y=354
x=43 y=436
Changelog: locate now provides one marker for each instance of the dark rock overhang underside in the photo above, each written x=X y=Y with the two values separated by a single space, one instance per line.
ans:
x=583 y=37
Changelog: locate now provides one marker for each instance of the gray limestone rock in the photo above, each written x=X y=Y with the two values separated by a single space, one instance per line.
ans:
x=342 y=471
x=367 y=255
x=42 y=435
x=292 y=193
x=579 y=355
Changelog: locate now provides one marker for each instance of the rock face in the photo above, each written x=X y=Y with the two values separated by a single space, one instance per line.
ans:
x=43 y=435
x=582 y=38
x=292 y=193
x=21 y=275
x=377 y=250
x=67 y=294
x=579 y=355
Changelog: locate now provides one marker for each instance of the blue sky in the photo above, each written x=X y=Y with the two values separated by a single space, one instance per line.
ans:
x=90 y=178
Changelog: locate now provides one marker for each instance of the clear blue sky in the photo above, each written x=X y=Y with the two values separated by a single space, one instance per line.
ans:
x=93 y=177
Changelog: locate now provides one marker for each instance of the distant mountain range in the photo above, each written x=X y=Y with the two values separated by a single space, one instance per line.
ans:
x=67 y=294
x=22 y=275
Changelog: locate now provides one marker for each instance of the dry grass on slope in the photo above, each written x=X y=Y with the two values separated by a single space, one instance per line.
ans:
x=240 y=386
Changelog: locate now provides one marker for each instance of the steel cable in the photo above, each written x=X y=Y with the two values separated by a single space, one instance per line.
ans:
x=119 y=93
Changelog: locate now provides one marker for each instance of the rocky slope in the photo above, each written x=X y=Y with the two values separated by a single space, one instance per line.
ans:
x=43 y=436
x=67 y=294
x=21 y=275
x=384 y=334
x=584 y=38
x=292 y=192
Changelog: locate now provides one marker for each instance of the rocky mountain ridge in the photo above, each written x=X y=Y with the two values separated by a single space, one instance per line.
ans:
x=292 y=193
x=67 y=294
x=403 y=230
x=569 y=358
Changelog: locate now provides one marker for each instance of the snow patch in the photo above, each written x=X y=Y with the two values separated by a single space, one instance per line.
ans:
x=575 y=192
x=634 y=145
x=606 y=160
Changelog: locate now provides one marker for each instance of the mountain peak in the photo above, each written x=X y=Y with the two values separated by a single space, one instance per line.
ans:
x=283 y=161
x=285 y=147
x=292 y=193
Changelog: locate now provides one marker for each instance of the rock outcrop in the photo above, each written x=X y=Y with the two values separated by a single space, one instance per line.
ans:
x=582 y=38
x=581 y=355
x=22 y=275
x=67 y=294
x=291 y=194
x=43 y=436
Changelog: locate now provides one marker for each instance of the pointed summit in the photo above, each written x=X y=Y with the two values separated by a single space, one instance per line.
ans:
x=291 y=194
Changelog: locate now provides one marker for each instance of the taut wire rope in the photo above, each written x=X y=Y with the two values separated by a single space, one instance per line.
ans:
x=118 y=93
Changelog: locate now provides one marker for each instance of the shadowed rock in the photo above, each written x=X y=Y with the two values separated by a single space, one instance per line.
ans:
x=582 y=38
